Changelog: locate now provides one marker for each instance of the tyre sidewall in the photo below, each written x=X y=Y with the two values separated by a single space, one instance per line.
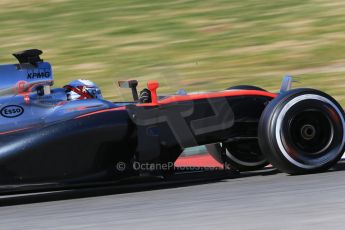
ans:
x=268 y=138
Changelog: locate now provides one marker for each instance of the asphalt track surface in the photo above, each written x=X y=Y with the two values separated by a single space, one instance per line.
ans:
x=261 y=200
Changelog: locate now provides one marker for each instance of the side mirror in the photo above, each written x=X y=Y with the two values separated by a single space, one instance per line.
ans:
x=132 y=84
x=128 y=84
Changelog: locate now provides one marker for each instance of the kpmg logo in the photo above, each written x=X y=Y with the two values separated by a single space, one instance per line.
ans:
x=39 y=74
x=12 y=111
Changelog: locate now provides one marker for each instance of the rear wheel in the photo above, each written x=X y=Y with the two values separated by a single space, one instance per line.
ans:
x=302 y=131
x=246 y=87
x=242 y=155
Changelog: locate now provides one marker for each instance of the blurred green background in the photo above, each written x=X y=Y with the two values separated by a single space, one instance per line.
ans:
x=192 y=44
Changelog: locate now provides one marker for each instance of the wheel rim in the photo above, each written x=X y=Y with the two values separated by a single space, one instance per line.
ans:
x=305 y=131
x=244 y=155
x=311 y=132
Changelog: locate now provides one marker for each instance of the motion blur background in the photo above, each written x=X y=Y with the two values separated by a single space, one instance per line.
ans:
x=191 y=44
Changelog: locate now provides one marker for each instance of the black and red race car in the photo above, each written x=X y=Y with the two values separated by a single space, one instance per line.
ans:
x=71 y=135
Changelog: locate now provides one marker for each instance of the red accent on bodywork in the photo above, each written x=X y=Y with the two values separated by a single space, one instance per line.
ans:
x=14 y=131
x=153 y=86
x=179 y=98
x=61 y=103
x=227 y=93
x=204 y=160
x=27 y=99
x=20 y=87
x=101 y=111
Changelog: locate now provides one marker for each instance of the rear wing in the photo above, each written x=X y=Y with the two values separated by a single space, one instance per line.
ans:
x=31 y=72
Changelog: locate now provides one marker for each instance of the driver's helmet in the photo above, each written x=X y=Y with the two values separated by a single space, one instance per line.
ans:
x=82 y=89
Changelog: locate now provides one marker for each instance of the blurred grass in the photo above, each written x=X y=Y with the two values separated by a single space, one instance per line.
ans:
x=191 y=44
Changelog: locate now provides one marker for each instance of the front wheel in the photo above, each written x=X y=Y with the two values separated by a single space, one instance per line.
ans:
x=302 y=131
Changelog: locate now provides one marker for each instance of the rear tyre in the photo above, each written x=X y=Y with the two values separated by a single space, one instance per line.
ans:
x=302 y=131
x=246 y=87
x=241 y=155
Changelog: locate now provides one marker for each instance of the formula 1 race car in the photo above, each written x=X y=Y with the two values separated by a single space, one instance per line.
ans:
x=71 y=135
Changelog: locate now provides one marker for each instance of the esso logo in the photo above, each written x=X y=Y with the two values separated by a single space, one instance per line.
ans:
x=12 y=111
